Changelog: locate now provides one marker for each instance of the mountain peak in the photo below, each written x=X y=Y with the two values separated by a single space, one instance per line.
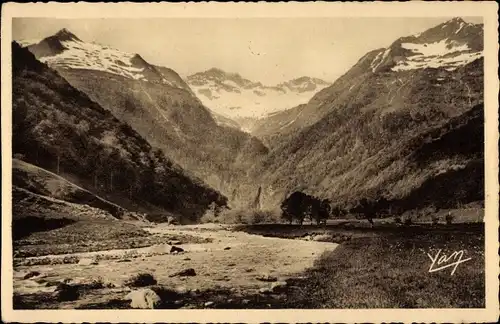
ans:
x=456 y=20
x=215 y=70
x=449 y=45
x=65 y=34
x=454 y=24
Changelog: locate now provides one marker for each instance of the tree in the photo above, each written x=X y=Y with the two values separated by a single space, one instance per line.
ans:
x=295 y=207
x=324 y=211
x=319 y=209
x=286 y=212
x=365 y=208
x=299 y=205
x=337 y=211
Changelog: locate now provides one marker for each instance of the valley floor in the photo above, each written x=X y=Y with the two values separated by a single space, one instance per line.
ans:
x=342 y=265
x=224 y=261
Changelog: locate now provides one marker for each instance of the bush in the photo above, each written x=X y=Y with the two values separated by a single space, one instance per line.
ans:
x=427 y=212
x=242 y=216
x=19 y=156
x=409 y=216
x=94 y=284
x=449 y=219
x=435 y=219
x=258 y=216
x=141 y=280
x=397 y=220
x=67 y=292
x=209 y=218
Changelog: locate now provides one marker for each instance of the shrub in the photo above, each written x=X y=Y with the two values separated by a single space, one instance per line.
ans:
x=409 y=216
x=231 y=216
x=427 y=211
x=141 y=280
x=258 y=216
x=435 y=219
x=208 y=218
x=449 y=219
x=242 y=216
x=94 y=284
x=19 y=156
x=397 y=220
x=67 y=292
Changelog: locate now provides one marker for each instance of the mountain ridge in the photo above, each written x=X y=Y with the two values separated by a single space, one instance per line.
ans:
x=236 y=97
x=384 y=61
x=161 y=107
x=347 y=132
x=60 y=129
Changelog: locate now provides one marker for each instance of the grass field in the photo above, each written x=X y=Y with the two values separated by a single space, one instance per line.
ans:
x=388 y=267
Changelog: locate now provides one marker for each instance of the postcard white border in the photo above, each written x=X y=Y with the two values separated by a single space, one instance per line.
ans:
x=486 y=9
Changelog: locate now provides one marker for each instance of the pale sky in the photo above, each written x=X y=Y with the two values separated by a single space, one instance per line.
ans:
x=270 y=50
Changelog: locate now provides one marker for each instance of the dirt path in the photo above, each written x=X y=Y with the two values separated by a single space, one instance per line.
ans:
x=232 y=260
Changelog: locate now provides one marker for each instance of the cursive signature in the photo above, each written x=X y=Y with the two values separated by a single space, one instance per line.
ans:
x=442 y=261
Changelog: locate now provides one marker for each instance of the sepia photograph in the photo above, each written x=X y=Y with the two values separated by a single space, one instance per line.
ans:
x=238 y=161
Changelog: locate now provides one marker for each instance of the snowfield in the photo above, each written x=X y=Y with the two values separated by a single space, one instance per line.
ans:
x=233 y=101
x=91 y=56
x=447 y=54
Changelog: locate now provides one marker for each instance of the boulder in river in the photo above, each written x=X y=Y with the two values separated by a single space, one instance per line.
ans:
x=209 y=303
x=87 y=262
x=278 y=286
x=176 y=250
x=267 y=277
x=175 y=242
x=143 y=299
x=31 y=274
x=189 y=272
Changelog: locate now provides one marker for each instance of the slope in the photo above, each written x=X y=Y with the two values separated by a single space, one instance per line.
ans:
x=157 y=104
x=384 y=77
x=355 y=134
x=45 y=183
x=58 y=128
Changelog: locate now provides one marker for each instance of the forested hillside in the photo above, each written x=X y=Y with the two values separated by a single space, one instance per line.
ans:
x=158 y=105
x=355 y=139
x=59 y=128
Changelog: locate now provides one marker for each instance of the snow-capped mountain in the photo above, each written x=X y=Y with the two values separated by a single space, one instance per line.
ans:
x=235 y=97
x=85 y=155
x=404 y=123
x=157 y=104
x=430 y=57
x=64 y=50
x=449 y=45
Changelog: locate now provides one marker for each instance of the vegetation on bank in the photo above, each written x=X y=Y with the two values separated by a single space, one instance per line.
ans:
x=240 y=215
x=391 y=270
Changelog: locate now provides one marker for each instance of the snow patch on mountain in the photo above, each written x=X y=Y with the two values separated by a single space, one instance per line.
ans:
x=379 y=59
x=445 y=53
x=232 y=96
x=66 y=51
x=91 y=56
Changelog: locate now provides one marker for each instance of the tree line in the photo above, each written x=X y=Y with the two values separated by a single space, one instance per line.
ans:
x=300 y=206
